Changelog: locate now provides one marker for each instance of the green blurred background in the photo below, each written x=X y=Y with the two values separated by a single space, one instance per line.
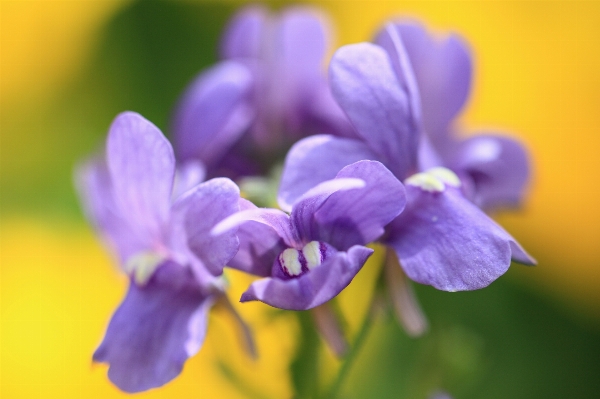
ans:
x=68 y=67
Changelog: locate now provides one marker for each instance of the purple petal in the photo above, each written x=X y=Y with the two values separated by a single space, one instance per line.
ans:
x=155 y=330
x=245 y=33
x=358 y=217
x=443 y=240
x=213 y=113
x=95 y=189
x=142 y=167
x=497 y=166
x=275 y=219
x=259 y=246
x=197 y=212
x=187 y=176
x=313 y=288
x=365 y=85
x=443 y=70
x=314 y=160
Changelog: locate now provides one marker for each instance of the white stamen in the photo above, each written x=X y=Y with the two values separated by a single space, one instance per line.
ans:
x=445 y=175
x=290 y=261
x=426 y=182
x=312 y=254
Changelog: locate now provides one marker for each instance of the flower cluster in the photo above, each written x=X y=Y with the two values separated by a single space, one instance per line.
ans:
x=373 y=157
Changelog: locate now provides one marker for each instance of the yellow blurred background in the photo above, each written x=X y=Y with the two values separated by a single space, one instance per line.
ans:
x=536 y=77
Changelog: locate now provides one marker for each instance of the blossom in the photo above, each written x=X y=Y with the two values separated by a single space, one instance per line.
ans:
x=158 y=226
x=313 y=253
x=441 y=239
x=268 y=91
x=493 y=168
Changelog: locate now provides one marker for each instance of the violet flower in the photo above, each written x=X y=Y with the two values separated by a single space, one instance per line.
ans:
x=160 y=234
x=269 y=91
x=313 y=253
x=441 y=239
x=493 y=168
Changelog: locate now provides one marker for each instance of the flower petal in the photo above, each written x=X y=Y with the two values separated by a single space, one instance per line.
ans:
x=142 y=168
x=187 y=176
x=244 y=35
x=95 y=190
x=313 y=288
x=498 y=167
x=443 y=70
x=197 y=212
x=314 y=160
x=213 y=113
x=365 y=85
x=358 y=217
x=259 y=246
x=155 y=330
x=444 y=240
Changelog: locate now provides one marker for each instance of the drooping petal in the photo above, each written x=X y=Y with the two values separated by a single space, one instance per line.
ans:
x=313 y=288
x=314 y=160
x=275 y=219
x=443 y=69
x=197 y=212
x=498 y=167
x=365 y=85
x=213 y=113
x=245 y=33
x=96 y=193
x=259 y=246
x=155 y=330
x=142 y=168
x=358 y=217
x=444 y=240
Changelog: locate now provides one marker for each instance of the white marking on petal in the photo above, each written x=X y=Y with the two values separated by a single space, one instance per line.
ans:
x=312 y=254
x=426 y=181
x=290 y=261
x=445 y=175
x=142 y=266
x=485 y=149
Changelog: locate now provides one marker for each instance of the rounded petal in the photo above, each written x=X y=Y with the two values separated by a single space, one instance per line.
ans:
x=197 y=212
x=142 y=168
x=155 y=330
x=245 y=33
x=314 y=160
x=259 y=246
x=497 y=166
x=443 y=69
x=444 y=240
x=313 y=288
x=366 y=87
x=95 y=190
x=358 y=217
x=213 y=113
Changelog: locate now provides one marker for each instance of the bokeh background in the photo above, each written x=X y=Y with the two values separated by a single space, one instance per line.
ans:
x=68 y=67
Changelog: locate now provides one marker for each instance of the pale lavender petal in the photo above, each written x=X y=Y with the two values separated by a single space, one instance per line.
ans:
x=443 y=69
x=245 y=33
x=259 y=246
x=365 y=85
x=95 y=190
x=314 y=160
x=277 y=220
x=497 y=166
x=197 y=212
x=188 y=175
x=142 y=168
x=155 y=330
x=213 y=113
x=444 y=240
x=313 y=288
x=358 y=217
x=324 y=115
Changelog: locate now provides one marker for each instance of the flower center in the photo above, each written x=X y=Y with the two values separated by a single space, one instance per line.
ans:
x=295 y=262
x=434 y=179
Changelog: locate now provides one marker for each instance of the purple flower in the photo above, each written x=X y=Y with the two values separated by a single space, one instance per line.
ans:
x=441 y=239
x=494 y=168
x=160 y=233
x=269 y=91
x=313 y=253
